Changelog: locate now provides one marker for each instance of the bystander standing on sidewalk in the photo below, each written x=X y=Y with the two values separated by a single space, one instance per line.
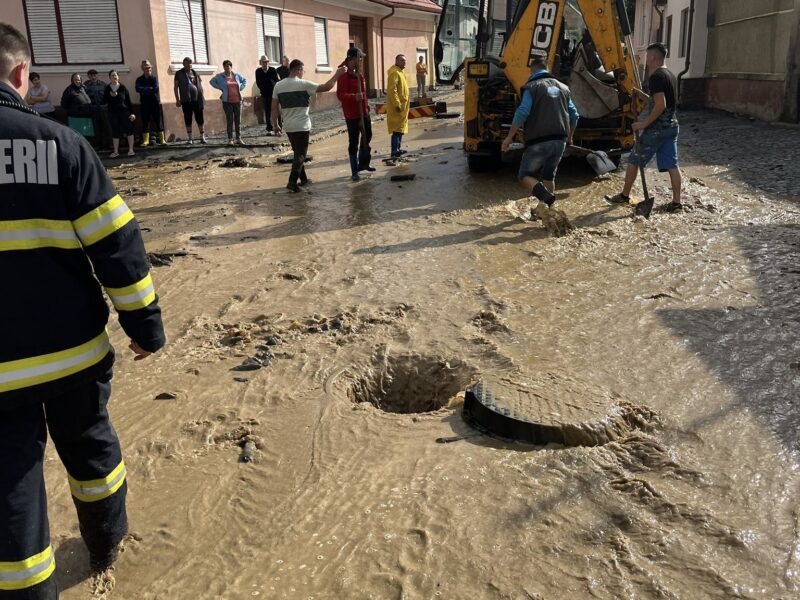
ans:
x=283 y=70
x=150 y=104
x=38 y=96
x=422 y=72
x=292 y=96
x=75 y=100
x=231 y=85
x=96 y=90
x=266 y=78
x=120 y=113
x=189 y=97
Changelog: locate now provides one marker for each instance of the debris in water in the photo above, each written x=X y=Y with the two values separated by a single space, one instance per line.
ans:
x=167 y=396
x=164 y=259
x=406 y=177
x=249 y=364
x=237 y=163
x=248 y=452
x=288 y=158
x=553 y=219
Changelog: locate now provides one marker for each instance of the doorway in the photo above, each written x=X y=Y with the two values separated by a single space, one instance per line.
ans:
x=357 y=28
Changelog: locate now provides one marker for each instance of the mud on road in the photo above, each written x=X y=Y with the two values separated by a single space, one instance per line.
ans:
x=336 y=329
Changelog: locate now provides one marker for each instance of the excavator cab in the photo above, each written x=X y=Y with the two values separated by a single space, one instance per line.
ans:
x=490 y=44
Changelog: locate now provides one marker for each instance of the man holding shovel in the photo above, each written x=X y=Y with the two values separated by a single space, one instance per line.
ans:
x=657 y=131
x=351 y=89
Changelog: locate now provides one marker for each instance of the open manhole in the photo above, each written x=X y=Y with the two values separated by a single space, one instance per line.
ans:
x=549 y=409
x=411 y=383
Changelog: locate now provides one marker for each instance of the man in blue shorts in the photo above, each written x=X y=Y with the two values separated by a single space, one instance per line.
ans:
x=658 y=132
x=547 y=117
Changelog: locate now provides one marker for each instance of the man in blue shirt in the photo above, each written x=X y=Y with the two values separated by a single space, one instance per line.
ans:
x=547 y=117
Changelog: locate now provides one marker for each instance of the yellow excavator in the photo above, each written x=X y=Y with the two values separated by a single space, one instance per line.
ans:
x=490 y=45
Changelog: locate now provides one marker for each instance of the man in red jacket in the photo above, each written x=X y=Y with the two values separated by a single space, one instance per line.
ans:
x=351 y=89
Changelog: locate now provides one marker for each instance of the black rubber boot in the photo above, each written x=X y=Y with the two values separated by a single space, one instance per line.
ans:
x=354 y=168
x=363 y=160
x=543 y=194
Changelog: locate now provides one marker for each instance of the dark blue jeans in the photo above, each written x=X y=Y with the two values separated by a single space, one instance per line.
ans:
x=397 y=139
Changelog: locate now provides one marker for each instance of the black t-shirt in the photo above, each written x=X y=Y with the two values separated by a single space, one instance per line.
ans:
x=662 y=80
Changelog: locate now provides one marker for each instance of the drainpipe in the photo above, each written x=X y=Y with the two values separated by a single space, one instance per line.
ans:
x=688 y=48
x=383 y=59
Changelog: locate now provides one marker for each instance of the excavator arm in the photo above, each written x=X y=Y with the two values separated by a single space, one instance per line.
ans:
x=539 y=28
x=586 y=45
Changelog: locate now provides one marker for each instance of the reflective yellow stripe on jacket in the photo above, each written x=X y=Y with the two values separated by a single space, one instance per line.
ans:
x=27 y=573
x=26 y=372
x=132 y=297
x=104 y=220
x=29 y=234
x=97 y=489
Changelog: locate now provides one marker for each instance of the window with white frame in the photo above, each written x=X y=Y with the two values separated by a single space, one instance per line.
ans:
x=186 y=28
x=321 y=41
x=64 y=32
x=268 y=32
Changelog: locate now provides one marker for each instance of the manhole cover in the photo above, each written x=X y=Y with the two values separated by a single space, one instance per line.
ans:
x=411 y=383
x=552 y=409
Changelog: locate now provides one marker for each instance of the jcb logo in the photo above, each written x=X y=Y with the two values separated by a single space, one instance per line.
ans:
x=543 y=30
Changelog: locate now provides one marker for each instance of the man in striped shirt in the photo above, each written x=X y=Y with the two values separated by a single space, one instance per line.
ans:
x=292 y=96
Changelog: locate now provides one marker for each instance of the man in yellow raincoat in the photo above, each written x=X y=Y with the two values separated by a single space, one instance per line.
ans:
x=398 y=101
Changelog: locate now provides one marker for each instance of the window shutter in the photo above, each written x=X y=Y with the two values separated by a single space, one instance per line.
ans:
x=44 y=32
x=185 y=18
x=272 y=23
x=199 y=29
x=260 y=32
x=321 y=42
x=179 y=29
x=91 y=31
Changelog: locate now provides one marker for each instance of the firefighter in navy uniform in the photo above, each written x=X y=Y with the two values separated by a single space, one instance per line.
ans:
x=64 y=233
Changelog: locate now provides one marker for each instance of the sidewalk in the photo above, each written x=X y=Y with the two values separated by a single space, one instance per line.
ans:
x=760 y=154
x=325 y=123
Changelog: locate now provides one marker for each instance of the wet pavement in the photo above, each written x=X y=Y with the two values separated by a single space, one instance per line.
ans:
x=335 y=331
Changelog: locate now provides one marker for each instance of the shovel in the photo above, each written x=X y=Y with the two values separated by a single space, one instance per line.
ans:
x=645 y=207
x=597 y=159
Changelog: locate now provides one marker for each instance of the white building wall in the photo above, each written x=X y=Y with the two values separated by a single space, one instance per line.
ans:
x=646 y=32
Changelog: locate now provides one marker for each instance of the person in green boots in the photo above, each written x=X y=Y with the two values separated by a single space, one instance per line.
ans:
x=150 y=102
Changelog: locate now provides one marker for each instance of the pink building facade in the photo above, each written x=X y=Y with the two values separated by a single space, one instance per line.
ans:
x=74 y=36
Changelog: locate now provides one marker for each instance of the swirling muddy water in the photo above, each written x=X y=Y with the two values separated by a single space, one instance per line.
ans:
x=372 y=306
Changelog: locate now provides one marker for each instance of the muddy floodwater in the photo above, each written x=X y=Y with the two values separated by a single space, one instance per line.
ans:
x=338 y=328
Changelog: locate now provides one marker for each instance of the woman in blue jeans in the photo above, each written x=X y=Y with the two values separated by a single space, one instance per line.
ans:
x=231 y=85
